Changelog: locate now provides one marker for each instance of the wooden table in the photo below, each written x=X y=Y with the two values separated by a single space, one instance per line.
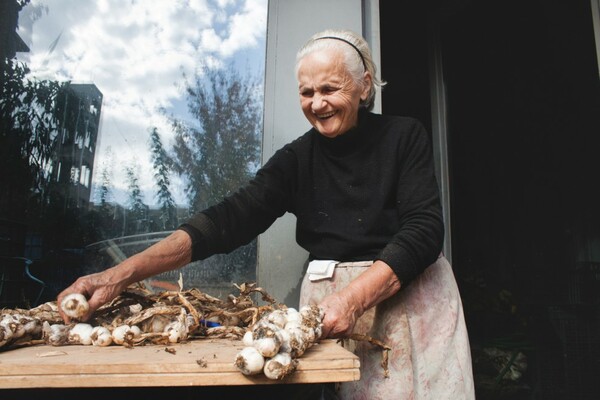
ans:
x=197 y=363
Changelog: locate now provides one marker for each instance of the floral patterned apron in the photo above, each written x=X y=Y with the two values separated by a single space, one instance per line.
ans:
x=424 y=325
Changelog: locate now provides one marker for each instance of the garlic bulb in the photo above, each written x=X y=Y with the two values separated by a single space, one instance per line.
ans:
x=56 y=334
x=5 y=334
x=279 y=366
x=286 y=345
x=178 y=330
x=156 y=324
x=32 y=326
x=80 y=334
x=101 y=336
x=277 y=317
x=247 y=339
x=293 y=316
x=298 y=342
x=135 y=308
x=124 y=334
x=15 y=322
x=249 y=361
x=267 y=339
x=135 y=331
x=280 y=337
x=74 y=305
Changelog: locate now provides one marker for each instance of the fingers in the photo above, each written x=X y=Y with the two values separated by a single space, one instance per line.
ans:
x=81 y=286
x=339 y=316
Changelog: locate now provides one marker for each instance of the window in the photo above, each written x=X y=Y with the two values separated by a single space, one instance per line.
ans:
x=110 y=94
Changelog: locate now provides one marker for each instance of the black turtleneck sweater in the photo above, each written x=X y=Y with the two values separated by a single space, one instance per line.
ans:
x=369 y=194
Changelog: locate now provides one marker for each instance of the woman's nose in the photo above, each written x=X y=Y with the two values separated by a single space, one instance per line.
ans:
x=318 y=102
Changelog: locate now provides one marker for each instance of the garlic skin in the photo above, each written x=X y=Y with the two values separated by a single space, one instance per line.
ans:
x=33 y=327
x=293 y=325
x=279 y=366
x=101 y=336
x=135 y=308
x=267 y=339
x=16 y=324
x=247 y=339
x=280 y=337
x=80 y=333
x=75 y=305
x=249 y=361
x=278 y=318
x=55 y=335
x=156 y=324
x=286 y=344
x=267 y=347
x=124 y=334
x=135 y=331
x=298 y=342
x=293 y=316
x=176 y=332
x=5 y=334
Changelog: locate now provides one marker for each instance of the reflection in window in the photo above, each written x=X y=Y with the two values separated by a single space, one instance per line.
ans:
x=119 y=126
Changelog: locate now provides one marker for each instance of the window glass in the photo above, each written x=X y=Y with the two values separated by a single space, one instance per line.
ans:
x=119 y=123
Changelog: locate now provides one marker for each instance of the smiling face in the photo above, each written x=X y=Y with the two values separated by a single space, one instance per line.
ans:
x=329 y=97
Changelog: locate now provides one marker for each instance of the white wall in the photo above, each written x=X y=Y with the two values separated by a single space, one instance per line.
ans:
x=290 y=24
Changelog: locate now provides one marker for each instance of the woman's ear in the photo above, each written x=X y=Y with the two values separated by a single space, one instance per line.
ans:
x=368 y=82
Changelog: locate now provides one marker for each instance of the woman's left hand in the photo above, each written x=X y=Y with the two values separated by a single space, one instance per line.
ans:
x=340 y=314
x=342 y=309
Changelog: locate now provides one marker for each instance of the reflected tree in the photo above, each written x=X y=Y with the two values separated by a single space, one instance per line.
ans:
x=137 y=218
x=219 y=151
x=161 y=164
x=28 y=128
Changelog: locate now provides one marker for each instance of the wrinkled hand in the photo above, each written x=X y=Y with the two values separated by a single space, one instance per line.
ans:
x=98 y=288
x=341 y=311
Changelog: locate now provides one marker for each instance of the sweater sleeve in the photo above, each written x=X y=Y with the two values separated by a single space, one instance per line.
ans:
x=240 y=217
x=419 y=240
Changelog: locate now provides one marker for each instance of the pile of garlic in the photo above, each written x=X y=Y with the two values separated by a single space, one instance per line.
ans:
x=159 y=324
x=18 y=327
x=277 y=339
x=167 y=330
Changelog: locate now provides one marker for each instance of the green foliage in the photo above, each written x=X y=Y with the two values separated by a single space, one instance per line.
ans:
x=137 y=219
x=161 y=164
x=28 y=131
x=221 y=152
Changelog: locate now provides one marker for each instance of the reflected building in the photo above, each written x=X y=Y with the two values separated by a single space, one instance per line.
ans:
x=10 y=41
x=79 y=107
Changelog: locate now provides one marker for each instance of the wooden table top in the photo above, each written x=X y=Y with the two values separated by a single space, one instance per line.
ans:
x=196 y=363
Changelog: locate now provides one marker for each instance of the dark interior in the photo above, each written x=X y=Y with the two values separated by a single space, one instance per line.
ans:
x=523 y=125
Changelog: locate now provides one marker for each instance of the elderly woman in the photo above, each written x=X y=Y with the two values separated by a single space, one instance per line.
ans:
x=363 y=189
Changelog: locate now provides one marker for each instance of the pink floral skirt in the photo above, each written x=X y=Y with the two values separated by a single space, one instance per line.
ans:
x=424 y=325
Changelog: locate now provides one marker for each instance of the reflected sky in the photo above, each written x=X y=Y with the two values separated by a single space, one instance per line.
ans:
x=136 y=53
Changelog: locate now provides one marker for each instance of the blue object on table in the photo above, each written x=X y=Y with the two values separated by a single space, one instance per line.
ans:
x=209 y=324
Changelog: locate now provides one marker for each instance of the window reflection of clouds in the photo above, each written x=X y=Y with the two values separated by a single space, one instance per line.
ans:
x=136 y=53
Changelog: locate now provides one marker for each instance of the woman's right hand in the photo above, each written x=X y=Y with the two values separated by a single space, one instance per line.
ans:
x=98 y=289
x=172 y=252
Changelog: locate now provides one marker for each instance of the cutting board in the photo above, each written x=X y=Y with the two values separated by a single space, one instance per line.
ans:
x=196 y=363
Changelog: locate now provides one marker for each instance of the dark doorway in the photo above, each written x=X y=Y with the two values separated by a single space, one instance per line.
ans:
x=523 y=101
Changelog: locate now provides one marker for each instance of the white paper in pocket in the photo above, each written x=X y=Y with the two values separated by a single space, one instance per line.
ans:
x=321 y=269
